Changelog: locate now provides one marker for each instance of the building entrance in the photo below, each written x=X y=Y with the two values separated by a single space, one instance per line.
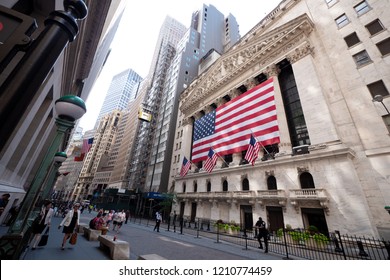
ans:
x=246 y=217
x=274 y=218
x=315 y=217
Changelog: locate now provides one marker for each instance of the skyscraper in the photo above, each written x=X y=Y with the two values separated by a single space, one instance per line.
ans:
x=123 y=88
x=208 y=37
x=134 y=151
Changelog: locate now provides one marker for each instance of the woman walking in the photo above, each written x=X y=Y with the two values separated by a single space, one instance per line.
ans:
x=70 y=222
x=44 y=220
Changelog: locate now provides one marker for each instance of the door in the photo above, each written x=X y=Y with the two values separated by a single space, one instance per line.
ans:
x=275 y=219
x=247 y=217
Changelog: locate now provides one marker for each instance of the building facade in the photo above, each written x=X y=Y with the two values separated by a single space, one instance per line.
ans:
x=327 y=60
x=97 y=157
x=74 y=72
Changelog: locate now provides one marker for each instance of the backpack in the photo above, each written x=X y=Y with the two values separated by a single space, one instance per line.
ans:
x=92 y=223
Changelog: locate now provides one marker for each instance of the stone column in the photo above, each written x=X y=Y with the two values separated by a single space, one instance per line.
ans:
x=314 y=104
x=187 y=124
x=285 y=146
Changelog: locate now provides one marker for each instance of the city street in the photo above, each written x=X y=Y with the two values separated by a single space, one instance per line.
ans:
x=143 y=240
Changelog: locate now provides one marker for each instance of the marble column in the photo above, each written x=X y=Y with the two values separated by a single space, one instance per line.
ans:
x=314 y=104
x=285 y=146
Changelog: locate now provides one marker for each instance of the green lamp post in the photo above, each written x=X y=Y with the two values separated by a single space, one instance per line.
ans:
x=69 y=108
x=59 y=158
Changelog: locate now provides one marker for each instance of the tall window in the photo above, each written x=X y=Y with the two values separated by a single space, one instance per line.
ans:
x=330 y=3
x=225 y=186
x=271 y=183
x=184 y=187
x=342 y=21
x=378 y=87
x=306 y=181
x=352 y=39
x=195 y=187
x=209 y=186
x=292 y=105
x=362 y=58
x=362 y=8
x=384 y=46
x=245 y=184
x=375 y=27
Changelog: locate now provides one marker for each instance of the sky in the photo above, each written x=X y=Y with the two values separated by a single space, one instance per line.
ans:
x=135 y=39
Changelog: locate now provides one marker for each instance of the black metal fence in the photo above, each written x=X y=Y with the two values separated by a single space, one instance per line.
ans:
x=297 y=244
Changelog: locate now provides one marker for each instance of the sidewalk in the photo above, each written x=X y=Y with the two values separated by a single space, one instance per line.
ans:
x=143 y=240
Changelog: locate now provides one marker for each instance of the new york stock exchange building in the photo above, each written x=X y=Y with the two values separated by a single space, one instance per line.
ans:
x=304 y=84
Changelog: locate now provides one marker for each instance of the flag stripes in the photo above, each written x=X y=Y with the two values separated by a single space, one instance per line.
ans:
x=228 y=128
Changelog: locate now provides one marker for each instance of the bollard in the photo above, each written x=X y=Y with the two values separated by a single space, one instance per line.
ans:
x=387 y=246
x=181 y=225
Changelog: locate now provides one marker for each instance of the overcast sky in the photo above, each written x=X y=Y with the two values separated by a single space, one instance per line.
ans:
x=135 y=40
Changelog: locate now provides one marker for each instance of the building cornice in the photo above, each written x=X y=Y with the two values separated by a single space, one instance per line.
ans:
x=287 y=41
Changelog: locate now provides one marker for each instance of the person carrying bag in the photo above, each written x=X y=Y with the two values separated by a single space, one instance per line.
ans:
x=44 y=238
x=73 y=238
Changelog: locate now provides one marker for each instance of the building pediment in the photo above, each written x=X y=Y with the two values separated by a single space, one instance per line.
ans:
x=258 y=51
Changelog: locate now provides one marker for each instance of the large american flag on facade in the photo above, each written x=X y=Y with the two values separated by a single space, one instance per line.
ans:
x=227 y=129
x=210 y=161
x=185 y=167
x=253 y=150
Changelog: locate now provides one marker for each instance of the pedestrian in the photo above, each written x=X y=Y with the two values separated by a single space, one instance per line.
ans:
x=70 y=223
x=109 y=218
x=174 y=218
x=4 y=201
x=119 y=218
x=43 y=221
x=127 y=215
x=262 y=233
x=158 y=221
x=100 y=223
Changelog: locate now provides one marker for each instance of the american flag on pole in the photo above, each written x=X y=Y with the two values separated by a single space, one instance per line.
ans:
x=210 y=161
x=185 y=167
x=87 y=144
x=228 y=127
x=253 y=150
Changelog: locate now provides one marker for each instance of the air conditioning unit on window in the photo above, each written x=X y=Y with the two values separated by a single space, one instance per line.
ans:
x=300 y=150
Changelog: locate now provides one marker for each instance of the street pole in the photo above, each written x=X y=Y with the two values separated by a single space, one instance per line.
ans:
x=21 y=86
x=69 y=109
x=32 y=194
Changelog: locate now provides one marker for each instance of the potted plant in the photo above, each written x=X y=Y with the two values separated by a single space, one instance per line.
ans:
x=299 y=236
x=320 y=239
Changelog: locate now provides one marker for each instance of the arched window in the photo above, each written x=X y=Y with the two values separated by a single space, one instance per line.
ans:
x=184 y=187
x=195 y=187
x=208 y=186
x=271 y=183
x=306 y=181
x=245 y=184
x=225 y=186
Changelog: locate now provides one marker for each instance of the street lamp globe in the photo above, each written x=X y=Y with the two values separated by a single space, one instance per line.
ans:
x=60 y=157
x=70 y=107
x=378 y=98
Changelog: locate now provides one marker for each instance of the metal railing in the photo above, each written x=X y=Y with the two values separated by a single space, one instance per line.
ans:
x=290 y=244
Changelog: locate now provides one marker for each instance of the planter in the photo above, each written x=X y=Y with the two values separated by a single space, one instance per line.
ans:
x=313 y=244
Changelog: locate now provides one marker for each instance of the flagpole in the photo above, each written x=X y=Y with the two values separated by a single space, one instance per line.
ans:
x=259 y=142
x=220 y=156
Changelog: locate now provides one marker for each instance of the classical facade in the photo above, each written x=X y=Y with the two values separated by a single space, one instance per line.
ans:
x=327 y=59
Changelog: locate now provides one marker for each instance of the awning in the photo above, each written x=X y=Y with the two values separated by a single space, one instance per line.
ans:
x=10 y=189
